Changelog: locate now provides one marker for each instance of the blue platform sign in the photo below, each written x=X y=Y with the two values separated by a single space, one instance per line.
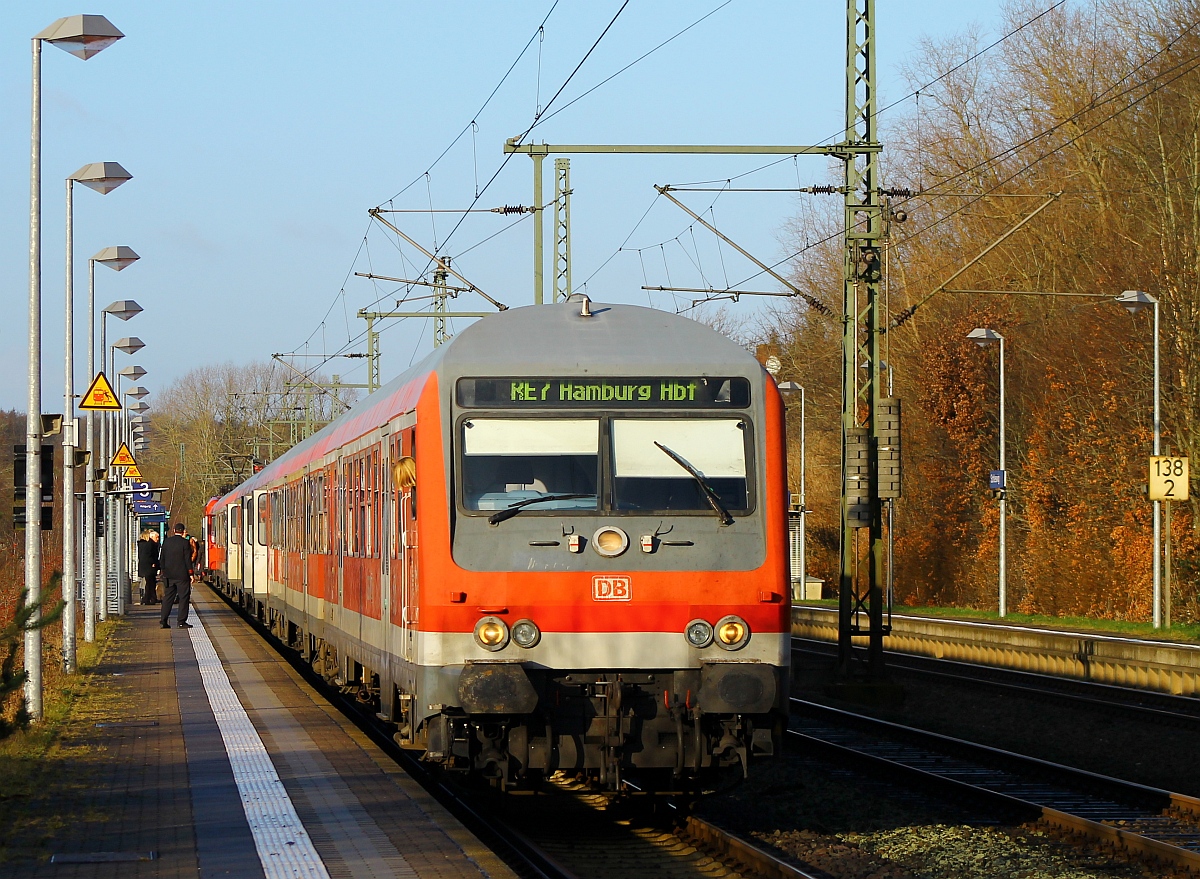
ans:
x=996 y=480
x=141 y=491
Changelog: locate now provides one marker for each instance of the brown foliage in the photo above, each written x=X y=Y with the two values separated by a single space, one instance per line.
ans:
x=1100 y=102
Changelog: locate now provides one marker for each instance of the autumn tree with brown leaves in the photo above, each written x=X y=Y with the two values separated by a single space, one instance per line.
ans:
x=1097 y=108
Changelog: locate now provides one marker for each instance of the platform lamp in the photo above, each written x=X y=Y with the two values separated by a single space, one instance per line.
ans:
x=984 y=337
x=101 y=177
x=137 y=392
x=116 y=258
x=128 y=534
x=1134 y=301
x=124 y=310
x=82 y=36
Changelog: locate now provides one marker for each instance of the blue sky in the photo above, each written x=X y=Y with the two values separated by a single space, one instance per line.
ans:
x=259 y=134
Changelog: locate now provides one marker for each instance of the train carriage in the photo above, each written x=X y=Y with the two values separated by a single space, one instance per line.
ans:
x=558 y=543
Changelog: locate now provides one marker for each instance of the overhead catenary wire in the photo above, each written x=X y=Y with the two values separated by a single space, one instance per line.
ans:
x=937 y=222
x=352 y=340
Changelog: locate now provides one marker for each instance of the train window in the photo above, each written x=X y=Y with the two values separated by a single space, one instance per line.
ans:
x=507 y=461
x=646 y=477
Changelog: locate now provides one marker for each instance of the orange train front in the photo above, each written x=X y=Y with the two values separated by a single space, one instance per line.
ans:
x=558 y=543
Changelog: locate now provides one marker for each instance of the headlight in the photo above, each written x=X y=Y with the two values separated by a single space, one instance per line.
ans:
x=699 y=633
x=491 y=633
x=610 y=542
x=732 y=633
x=526 y=633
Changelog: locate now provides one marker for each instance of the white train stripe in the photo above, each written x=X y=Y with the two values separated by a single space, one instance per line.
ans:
x=283 y=845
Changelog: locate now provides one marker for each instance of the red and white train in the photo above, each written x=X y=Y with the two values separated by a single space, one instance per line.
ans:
x=558 y=543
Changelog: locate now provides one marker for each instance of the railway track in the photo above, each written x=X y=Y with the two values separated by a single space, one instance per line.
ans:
x=1140 y=704
x=1147 y=822
x=542 y=845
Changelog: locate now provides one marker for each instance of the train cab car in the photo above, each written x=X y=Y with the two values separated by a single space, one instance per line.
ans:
x=559 y=543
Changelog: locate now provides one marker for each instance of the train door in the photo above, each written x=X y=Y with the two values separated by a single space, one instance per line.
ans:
x=248 y=585
x=233 y=543
x=339 y=538
x=305 y=536
x=384 y=497
x=409 y=591
x=262 y=509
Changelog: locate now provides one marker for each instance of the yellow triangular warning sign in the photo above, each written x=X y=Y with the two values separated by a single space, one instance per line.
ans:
x=100 y=395
x=123 y=458
x=132 y=472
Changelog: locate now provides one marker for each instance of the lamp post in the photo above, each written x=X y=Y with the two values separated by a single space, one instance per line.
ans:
x=123 y=309
x=1134 y=301
x=128 y=537
x=116 y=258
x=102 y=177
x=983 y=338
x=128 y=345
x=82 y=36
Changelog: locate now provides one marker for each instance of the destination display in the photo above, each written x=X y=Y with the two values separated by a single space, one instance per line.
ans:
x=618 y=392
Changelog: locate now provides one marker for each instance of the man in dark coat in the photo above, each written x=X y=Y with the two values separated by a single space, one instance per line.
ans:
x=147 y=554
x=175 y=561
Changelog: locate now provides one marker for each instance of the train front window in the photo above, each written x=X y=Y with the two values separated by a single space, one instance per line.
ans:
x=646 y=477
x=509 y=461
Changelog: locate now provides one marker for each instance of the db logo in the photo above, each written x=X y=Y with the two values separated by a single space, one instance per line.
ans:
x=611 y=589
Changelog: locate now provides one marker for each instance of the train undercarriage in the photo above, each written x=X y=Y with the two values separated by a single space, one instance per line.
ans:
x=514 y=725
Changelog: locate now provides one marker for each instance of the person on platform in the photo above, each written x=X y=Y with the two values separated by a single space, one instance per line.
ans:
x=175 y=560
x=147 y=555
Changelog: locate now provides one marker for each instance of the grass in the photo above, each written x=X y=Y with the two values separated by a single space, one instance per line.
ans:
x=1179 y=632
x=30 y=758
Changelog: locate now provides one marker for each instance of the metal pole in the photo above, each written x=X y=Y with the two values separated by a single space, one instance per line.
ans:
x=1167 y=566
x=89 y=491
x=803 y=503
x=538 y=232
x=1003 y=502
x=68 y=453
x=102 y=609
x=118 y=502
x=33 y=418
x=1157 y=564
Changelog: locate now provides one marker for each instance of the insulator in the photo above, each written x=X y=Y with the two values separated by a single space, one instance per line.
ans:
x=512 y=209
x=823 y=189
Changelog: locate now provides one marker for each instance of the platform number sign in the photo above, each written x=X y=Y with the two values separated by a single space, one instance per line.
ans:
x=1168 y=478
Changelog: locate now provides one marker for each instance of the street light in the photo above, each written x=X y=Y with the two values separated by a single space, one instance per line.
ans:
x=1134 y=301
x=82 y=36
x=116 y=258
x=101 y=177
x=984 y=337
x=123 y=309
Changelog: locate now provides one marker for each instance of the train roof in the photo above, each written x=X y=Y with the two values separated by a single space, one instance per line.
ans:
x=614 y=340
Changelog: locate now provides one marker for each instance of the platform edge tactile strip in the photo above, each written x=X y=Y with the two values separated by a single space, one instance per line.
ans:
x=283 y=844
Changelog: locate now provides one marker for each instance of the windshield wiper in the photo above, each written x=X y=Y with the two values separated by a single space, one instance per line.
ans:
x=710 y=493
x=510 y=511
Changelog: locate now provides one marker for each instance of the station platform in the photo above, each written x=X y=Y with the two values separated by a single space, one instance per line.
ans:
x=220 y=761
